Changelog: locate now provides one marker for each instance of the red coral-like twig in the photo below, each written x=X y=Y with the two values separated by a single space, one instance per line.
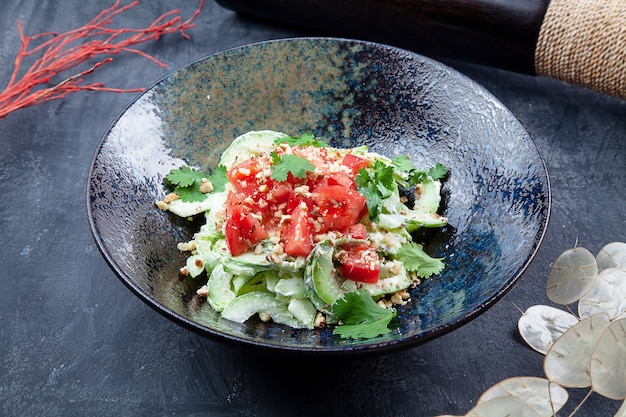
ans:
x=60 y=52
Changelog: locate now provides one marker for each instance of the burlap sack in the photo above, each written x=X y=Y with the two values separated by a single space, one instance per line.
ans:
x=584 y=42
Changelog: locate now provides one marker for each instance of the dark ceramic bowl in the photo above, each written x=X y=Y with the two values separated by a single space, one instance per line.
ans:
x=497 y=196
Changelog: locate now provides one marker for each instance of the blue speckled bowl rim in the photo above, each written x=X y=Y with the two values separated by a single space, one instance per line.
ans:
x=375 y=348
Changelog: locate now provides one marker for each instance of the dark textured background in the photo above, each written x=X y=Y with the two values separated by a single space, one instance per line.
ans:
x=74 y=341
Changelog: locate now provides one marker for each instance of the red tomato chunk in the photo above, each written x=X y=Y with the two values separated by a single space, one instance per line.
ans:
x=354 y=162
x=243 y=229
x=340 y=207
x=298 y=209
x=361 y=263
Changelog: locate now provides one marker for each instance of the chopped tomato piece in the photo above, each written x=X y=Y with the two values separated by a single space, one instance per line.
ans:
x=319 y=158
x=280 y=193
x=321 y=202
x=340 y=207
x=243 y=176
x=242 y=229
x=361 y=263
x=354 y=162
x=358 y=231
x=298 y=236
x=341 y=178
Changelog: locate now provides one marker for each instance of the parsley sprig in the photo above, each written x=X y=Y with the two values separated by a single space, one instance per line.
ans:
x=360 y=316
x=186 y=182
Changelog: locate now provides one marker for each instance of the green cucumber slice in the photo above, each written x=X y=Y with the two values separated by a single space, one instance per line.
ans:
x=290 y=287
x=248 y=145
x=304 y=310
x=245 y=306
x=388 y=283
x=430 y=196
x=220 y=292
x=321 y=280
x=213 y=202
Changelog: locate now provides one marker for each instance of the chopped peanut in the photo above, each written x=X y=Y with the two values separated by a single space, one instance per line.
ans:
x=187 y=246
x=206 y=186
x=170 y=197
x=203 y=291
x=320 y=320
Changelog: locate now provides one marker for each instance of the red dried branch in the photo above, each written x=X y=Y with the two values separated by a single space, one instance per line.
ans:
x=58 y=53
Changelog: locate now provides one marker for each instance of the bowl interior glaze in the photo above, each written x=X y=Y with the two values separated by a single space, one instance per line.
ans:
x=349 y=93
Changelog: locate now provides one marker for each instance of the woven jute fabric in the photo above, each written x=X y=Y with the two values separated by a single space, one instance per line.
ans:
x=583 y=42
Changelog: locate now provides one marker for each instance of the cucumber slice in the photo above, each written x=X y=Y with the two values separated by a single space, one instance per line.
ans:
x=429 y=198
x=247 y=263
x=213 y=201
x=421 y=218
x=290 y=287
x=220 y=293
x=245 y=306
x=304 y=310
x=291 y=267
x=388 y=283
x=411 y=221
x=250 y=144
x=195 y=265
x=188 y=209
x=237 y=268
x=210 y=227
x=391 y=221
x=211 y=252
x=271 y=279
x=322 y=283
x=263 y=281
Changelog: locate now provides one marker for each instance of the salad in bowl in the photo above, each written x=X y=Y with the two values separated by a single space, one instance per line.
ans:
x=305 y=234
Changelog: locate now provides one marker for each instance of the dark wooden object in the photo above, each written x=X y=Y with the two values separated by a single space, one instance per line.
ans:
x=500 y=33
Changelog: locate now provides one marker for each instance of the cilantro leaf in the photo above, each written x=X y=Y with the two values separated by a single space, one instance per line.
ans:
x=184 y=176
x=290 y=164
x=186 y=182
x=361 y=316
x=438 y=171
x=403 y=163
x=416 y=260
x=218 y=178
x=306 y=139
x=375 y=185
x=411 y=175
x=190 y=194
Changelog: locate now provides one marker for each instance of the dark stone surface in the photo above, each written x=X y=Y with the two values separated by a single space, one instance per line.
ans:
x=74 y=341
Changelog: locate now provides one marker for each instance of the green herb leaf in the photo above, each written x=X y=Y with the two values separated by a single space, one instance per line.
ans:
x=184 y=176
x=306 y=139
x=290 y=164
x=411 y=175
x=375 y=184
x=218 y=178
x=437 y=172
x=186 y=182
x=361 y=316
x=416 y=260
x=403 y=163
x=190 y=194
